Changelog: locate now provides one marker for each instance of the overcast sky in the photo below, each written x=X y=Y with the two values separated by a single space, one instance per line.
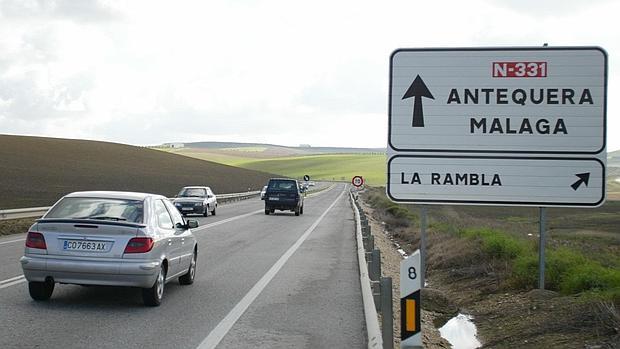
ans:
x=283 y=72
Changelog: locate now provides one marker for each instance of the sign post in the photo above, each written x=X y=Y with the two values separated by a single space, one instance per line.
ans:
x=410 y=315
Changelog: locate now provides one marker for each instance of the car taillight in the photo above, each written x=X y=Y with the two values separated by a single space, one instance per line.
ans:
x=35 y=240
x=139 y=245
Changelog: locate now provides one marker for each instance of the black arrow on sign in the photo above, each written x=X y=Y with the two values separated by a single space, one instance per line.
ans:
x=418 y=90
x=583 y=178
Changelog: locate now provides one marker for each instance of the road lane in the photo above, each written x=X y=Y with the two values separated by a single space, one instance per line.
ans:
x=233 y=256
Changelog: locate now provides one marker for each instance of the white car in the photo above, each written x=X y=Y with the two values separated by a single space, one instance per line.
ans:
x=196 y=200
x=262 y=193
x=110 y=238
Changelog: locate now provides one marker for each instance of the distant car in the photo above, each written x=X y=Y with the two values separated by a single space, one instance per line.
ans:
x=196 y=200
x=262 y=193
x=110 y=238
x=284 y=194
x=311 y=184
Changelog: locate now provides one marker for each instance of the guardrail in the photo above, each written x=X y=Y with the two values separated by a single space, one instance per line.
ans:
x=376 y=290
x=30 y=212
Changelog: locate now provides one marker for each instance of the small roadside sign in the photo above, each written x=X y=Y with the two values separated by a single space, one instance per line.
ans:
x=410 y=315
x=357 y=181
x=306 y=178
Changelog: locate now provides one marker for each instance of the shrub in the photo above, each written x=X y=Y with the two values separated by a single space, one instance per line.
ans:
x=496 y=244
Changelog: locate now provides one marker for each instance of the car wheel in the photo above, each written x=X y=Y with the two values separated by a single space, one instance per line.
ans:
x=272 y=211
x=301 y=210
x=206 y=212
x=40 y=291
x=153 y=295
x=267 y=211
x=297 y=211
x=188 y=279
x=213 y=212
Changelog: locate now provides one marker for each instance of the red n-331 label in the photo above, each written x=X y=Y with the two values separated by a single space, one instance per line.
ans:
x=519 y=69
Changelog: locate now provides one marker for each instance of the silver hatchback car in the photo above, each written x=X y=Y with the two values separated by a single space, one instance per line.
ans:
x=110 y=238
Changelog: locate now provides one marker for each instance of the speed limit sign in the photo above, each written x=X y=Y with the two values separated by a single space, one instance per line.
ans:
x=357 y=181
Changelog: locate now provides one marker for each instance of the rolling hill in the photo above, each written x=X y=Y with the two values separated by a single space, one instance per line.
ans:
x=37 y=171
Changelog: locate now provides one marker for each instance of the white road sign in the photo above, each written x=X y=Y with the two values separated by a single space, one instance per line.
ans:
x=521 y=181
x=540 y=100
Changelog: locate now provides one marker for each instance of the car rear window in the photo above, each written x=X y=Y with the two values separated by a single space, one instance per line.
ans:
x=98 y=208
x=282 y=185
x=192 y=192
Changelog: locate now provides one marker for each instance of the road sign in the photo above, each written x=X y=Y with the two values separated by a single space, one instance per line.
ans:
x=306 y=178
x=504 y=180
x=539 y=100
x=357 y=181
x=509 y=126
x=410 y=320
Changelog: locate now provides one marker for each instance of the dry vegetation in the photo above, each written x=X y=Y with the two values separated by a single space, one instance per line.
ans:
x=484 y=260
x=37 y=171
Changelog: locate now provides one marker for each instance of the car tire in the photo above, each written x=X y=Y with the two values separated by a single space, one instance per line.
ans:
x=153 y=295
x=206 y=212
x=297 y=211
x=301 y=210
x=267 y=211
x=188 y=278
x=272 y=211
x=213 y=212
x=40 y=291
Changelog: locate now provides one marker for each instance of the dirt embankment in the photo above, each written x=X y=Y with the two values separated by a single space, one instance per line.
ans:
x=462 y=279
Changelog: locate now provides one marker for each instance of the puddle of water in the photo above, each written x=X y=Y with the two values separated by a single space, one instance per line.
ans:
x=460 y=331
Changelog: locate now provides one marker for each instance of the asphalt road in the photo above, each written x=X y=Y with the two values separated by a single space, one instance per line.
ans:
x=276 y=281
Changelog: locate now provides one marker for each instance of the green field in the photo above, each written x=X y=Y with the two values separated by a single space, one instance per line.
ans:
x=319 y=167
x=327 y=167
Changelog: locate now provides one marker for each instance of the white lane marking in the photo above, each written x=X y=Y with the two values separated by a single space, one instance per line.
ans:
x=11 y=241
x=12 y=281
x=218 y=333
x=214 y=224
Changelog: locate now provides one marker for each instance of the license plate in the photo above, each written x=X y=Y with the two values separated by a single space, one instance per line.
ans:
x=274 y=198
x=187 y=209
x=84 y=245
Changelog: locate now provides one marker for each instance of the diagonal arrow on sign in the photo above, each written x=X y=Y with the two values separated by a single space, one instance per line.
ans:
x=583 y=178
x=418 y=90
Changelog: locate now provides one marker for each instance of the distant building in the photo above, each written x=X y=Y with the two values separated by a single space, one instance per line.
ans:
x=174 y=145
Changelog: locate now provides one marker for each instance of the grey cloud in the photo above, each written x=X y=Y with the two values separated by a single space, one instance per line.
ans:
x=77 y=10
x=24 y=100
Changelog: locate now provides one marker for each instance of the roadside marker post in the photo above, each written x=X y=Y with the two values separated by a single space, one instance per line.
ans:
x=410 y=306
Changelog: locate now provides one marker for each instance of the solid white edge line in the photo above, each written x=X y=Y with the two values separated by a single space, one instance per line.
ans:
x=11 y=241
x=15 y=282
x=375 y=339
x=220 y=331
x=11 y=279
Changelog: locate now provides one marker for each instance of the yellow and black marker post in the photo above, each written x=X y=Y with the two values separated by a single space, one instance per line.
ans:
x=410 y=316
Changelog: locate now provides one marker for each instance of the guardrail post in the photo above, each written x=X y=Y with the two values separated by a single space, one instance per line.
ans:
x=375 y=267
x=387 y=316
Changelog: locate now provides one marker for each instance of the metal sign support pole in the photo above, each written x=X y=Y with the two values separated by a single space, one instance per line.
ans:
x=541 y=250
x=423 y=245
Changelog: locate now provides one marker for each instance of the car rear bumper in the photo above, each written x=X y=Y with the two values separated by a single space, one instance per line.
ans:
x=113 y=272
